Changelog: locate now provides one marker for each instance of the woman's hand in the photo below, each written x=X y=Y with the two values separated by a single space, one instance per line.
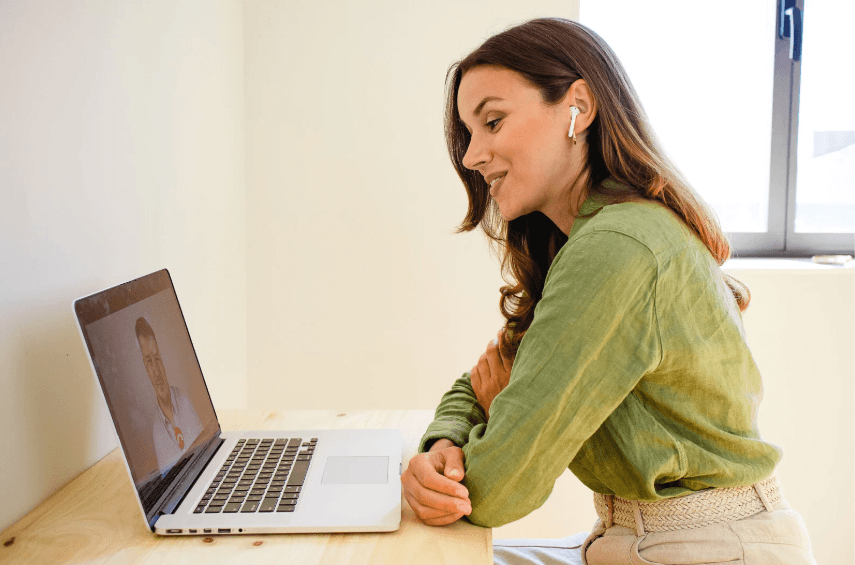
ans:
x=491 y=375
x=431 y=485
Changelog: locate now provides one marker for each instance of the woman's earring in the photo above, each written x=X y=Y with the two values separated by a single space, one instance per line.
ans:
x=574 y=111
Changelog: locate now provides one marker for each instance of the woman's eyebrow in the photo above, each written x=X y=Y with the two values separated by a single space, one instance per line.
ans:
x=483 y=102
x=480 y=106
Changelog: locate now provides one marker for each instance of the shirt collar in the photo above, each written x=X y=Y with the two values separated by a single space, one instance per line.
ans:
x=594 y=202
x=163 y=417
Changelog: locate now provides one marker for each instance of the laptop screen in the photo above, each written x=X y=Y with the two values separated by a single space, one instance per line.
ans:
x=151 y=379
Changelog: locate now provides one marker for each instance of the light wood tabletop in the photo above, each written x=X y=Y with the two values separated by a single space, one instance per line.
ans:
x=95 y=519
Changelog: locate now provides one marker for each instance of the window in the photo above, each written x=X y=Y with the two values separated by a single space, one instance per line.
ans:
x=724 y=96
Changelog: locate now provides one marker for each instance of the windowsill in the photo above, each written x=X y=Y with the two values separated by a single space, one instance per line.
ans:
x=782 y=264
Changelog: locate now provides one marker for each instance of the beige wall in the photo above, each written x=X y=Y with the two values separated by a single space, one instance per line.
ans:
x=801 y=329
x=121 y=152
x=360 y=294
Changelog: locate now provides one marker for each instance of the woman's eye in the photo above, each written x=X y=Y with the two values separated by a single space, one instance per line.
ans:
x=492 y=124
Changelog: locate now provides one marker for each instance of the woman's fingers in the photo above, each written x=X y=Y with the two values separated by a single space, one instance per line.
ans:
x=430 y=478
x=440 y=501
x=443 y=521
x=429 y=515
x=475 y=379
x=483 y=369
x=505 y=362
x=494 y=362
x=435 y=499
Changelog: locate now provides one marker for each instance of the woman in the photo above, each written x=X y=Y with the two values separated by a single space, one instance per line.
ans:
x=623 y=356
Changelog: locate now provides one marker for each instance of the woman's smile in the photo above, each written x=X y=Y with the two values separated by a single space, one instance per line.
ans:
x=495 y=186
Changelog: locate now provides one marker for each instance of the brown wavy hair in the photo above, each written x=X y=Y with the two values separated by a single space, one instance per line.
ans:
x=551 y=54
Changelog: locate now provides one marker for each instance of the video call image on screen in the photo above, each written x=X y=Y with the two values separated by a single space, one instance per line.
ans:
x=153 y=383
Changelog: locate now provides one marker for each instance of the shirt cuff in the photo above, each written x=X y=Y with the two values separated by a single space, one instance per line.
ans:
x=444 y=430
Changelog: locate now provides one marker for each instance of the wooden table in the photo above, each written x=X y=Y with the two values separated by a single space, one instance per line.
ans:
x=94 y=518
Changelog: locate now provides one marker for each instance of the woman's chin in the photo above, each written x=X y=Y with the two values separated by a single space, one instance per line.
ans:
x=508 y=215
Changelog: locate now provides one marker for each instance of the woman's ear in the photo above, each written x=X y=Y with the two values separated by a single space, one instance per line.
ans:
x=579 y=95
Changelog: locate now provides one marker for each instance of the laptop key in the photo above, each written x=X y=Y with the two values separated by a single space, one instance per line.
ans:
x=199 y=509
x=250 y=506
x=231 y=507
x=298 y=474
x=293 y=489
x=213 y=509
x=268 y=505
x=285 y=508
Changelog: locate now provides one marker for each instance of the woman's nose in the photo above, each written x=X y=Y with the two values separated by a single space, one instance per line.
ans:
x=474 y=156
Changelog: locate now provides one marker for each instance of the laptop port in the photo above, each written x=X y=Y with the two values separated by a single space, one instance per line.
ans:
x=224 y=530
x=192 y=531
x=174 y=531
x=207 y=530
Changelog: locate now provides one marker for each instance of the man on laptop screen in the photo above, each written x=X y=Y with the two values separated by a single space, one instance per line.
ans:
x=175 y=424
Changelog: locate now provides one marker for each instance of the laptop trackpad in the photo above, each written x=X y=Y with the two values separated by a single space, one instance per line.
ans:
x=356 y=471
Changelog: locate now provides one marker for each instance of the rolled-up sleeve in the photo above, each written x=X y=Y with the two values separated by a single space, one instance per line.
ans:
x=593 y=336
x=458 y=412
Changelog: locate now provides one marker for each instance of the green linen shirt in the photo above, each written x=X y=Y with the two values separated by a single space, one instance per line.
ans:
x=634 y=373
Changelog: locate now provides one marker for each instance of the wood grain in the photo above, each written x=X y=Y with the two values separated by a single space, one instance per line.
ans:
x=95 y=520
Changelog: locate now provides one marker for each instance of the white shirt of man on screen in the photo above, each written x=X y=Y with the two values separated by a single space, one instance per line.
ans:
x=176 y=425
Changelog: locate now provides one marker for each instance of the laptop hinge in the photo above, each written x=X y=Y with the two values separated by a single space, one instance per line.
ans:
x=185 y=481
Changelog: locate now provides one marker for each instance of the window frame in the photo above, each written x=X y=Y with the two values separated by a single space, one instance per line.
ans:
x=780 y=238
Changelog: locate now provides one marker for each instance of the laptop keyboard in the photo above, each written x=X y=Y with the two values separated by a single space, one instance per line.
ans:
x=260 y=475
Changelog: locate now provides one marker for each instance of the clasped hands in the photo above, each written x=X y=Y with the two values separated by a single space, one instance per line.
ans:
x=431 y=480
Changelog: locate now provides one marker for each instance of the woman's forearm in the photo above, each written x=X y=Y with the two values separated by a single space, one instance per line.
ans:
x=458 y=412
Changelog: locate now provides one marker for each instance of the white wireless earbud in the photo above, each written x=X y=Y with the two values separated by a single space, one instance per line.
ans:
x=574 y=111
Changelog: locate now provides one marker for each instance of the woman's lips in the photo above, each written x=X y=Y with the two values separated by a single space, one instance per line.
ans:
x=496 y=185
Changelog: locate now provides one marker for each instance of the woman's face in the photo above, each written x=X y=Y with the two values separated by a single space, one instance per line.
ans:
x=520 y=137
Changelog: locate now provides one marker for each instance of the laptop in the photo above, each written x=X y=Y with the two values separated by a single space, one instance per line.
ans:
x=190 y=477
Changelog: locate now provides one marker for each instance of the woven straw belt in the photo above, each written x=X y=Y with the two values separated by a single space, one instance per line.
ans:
x=696 y=510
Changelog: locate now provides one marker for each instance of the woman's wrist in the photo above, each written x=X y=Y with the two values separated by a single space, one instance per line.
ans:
x=441 y=443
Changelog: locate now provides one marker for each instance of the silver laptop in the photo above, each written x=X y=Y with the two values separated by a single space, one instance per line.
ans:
x=191 y=478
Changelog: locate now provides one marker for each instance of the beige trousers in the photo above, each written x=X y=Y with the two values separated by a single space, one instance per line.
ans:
x=777 y=537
